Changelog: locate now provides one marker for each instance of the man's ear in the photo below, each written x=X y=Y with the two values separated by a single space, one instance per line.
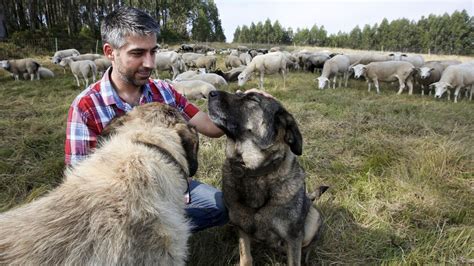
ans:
x=108 y=51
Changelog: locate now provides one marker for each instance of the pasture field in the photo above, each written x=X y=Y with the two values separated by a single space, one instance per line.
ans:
x=400 y=168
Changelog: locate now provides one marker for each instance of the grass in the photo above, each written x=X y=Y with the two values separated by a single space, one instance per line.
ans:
x=400 y=168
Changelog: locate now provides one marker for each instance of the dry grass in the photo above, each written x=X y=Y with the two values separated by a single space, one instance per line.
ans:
x=400 y=168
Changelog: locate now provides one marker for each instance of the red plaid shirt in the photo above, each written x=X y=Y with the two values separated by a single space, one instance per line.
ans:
x=97 y=105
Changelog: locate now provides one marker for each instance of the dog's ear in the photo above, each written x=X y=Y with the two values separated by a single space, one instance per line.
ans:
x=292 y=133
x=190 y=143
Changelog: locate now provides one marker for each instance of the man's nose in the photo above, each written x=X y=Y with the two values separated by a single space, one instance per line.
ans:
x=149 y=61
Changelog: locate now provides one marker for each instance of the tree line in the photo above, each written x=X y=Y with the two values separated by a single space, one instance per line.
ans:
x=439 y=34
x=183 y=20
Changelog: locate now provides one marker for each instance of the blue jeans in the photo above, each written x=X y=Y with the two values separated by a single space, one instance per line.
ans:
x=207 y=206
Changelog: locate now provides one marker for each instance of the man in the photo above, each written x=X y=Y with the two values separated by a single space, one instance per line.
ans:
x=129 y=42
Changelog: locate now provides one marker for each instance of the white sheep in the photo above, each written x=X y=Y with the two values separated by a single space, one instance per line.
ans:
x=90 y=57
x=367 y=57
x=208 y=62
x=245 y=58
x=415 y=60
x=43 y=73
x=85 y=68
x=170 y=61
x=455 y=77
x=431 y=72
x=102 y=65
x=387 y=71
x=336 y=66
x=190 y=59
x=193 y=89
x=20 y=66
x=265 y=64
x=63 y=54
x=214 y=79
x=232 y=61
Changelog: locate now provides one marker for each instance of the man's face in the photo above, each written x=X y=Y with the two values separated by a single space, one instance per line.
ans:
x=134 y=61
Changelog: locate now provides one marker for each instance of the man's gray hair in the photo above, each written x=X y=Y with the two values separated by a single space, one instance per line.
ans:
x=124 y=22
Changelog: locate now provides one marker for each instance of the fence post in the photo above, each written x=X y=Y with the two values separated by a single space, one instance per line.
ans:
x=96 y=45
x=56 y=43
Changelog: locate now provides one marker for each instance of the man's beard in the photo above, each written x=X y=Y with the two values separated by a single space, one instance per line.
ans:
x=130 y=78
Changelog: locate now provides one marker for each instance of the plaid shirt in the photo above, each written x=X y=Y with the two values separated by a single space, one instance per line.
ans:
x=97 y=105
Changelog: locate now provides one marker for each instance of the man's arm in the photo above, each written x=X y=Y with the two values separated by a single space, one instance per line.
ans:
x=205 y=126
x=80 y=139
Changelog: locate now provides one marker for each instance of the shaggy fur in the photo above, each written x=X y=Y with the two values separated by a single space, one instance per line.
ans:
x=122 y=205
x=263 y=184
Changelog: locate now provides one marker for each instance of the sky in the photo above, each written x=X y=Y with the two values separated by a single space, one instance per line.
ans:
x=335 y=15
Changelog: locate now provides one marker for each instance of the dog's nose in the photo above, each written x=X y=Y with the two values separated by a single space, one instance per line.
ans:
x=213 y=94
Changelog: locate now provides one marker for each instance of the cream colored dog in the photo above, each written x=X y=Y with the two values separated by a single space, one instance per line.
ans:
x=122 y=205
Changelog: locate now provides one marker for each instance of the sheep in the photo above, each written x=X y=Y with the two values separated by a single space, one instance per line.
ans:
x=242 y=49
x=291 y=61
x=63 y=54
x=415 y=60
x=232 y=61
x=455 y=77
x=214 y=79
x=190 y=59
x=431 y=72
x=20 y=66
x=186 y=75
x=171 y=61
x=83 y=68
x=275 y=49
x=265 y=64
x=387 y=71
x=231 y=75
x=102 y=64
x=43 y=73
x=367 y=57
x=314 y=61
x=193 y=89
x=208 y=62
x=90 y=57
x=224 y=51
x=234 y=52
x=245 y=58
x=333 y=67
x=186 y=47
x=202 y=48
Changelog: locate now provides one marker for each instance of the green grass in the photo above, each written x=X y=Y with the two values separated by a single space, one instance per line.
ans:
x=400 y=168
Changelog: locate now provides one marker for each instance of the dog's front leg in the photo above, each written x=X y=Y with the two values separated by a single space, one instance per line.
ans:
x=244 y=249
x=294 y=252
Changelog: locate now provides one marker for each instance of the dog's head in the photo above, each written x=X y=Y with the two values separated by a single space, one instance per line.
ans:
x=157 y=117
x=257 y=124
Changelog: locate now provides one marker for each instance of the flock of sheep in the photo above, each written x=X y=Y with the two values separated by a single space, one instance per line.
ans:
x=194 y=71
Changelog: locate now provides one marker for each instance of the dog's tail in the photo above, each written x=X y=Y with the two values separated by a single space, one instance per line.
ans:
x=315 y=195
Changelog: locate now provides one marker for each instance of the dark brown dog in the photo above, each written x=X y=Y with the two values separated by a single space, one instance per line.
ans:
x=263 y=184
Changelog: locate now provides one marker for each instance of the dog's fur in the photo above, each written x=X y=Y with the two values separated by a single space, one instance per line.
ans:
x=263 y=184
x=122 y=205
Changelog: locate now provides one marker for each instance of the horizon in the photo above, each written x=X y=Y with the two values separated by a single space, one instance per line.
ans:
x=299 y=14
